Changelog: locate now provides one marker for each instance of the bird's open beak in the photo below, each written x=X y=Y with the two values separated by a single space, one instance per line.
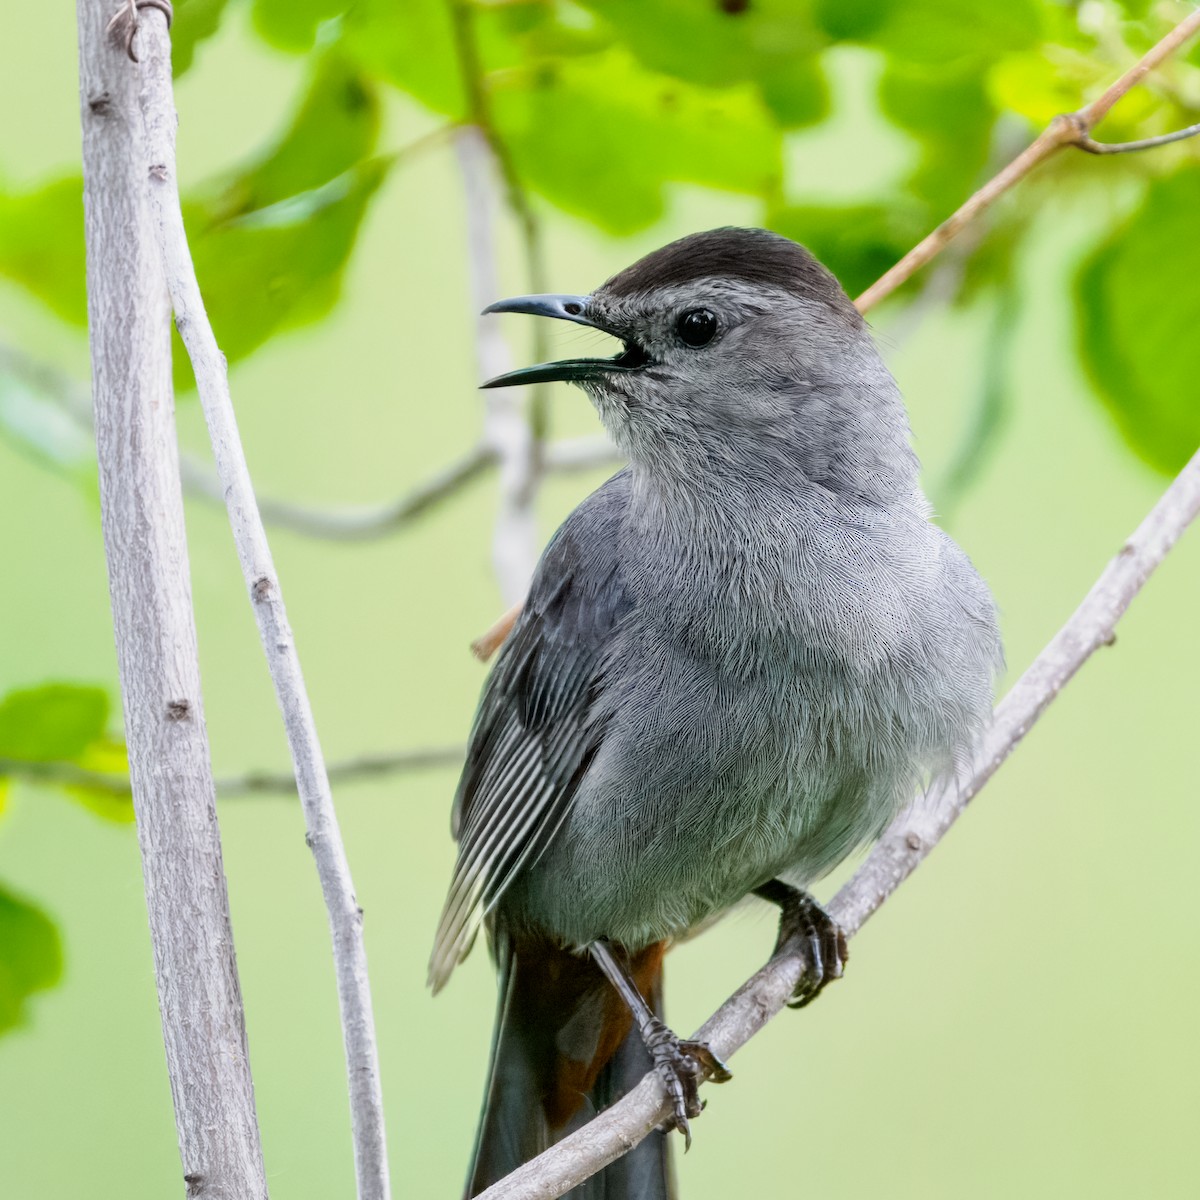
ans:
x=565 y=308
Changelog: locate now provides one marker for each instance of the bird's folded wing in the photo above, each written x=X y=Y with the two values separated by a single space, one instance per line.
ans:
x=535 y=732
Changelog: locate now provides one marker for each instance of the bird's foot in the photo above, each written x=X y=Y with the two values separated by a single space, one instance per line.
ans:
x=807 y=931
x=683 y=1066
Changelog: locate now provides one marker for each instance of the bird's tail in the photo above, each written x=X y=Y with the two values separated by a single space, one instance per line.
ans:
x=563 y=1049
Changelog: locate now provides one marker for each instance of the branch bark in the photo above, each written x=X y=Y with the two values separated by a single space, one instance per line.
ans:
x=145 y=544
x=157 y=154
x=899 y=852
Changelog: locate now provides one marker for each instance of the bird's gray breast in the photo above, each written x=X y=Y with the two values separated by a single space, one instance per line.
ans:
x=764 y=715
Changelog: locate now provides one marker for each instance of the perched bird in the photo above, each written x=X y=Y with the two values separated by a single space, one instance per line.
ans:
x=739 y=659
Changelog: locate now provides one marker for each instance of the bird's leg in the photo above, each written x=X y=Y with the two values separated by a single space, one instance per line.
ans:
x=809 y=932
x=682 y=1065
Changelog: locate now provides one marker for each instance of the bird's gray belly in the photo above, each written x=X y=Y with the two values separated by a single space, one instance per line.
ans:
x=696 y=797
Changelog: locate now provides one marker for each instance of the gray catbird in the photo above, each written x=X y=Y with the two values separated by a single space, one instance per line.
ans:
x=738 y=660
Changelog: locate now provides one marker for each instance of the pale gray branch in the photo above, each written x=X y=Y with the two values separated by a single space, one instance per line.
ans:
x=897 y=855
x=506 y=428
x=208 y=363
x=145 y=543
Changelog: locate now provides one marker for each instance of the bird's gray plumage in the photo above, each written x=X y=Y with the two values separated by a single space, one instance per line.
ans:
x=743 y=653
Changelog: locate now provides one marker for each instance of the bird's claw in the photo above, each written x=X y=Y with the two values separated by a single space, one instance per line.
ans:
x=683 y=1067
x=807 y=931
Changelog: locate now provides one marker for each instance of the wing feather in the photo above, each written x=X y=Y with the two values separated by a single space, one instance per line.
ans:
x=536 y=731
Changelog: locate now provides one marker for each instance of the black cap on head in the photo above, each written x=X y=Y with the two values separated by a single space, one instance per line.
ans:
x=755 y=256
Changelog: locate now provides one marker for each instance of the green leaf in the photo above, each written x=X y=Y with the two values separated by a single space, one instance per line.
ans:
x=851 y=20
x=195 y=21
x=948 y=112
x=108 y=757
x=857 y=243
x=959 y=32
x=41 y=245
x=278 y=267
x=414 y=51
x=54 y=722
x=1137 y=312
x=270 y=243
x=293 y=24
x=600 y=137
x=30 y=956
x=772 y=44
x=335 y=126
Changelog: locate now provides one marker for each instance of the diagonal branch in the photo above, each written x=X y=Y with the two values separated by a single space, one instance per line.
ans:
x=900 y=851
x=345 y=916
x=1068 y=129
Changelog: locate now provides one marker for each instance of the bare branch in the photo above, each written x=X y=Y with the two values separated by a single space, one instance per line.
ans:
x=345 y=916
x=1091 y=146
x=351 y=524
x=506 y=428
x=348 y=770
x=1070 y=129
x=899 y=852
x=146 y=546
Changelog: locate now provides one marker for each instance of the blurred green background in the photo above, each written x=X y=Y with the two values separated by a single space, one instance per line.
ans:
x=1019 y=1020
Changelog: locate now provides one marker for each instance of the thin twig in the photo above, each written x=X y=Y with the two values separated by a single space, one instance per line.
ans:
x=1070 y=129
x=348 y=770
x=345 y=915
x=258 y=782
x=507 y=431
x=902 y=848
x=1091 y=146
x=351 y=524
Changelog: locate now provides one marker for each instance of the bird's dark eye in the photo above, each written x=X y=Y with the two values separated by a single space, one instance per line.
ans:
x=696 y=327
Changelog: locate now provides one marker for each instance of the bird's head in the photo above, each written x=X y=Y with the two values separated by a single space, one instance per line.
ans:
x=737 y=343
